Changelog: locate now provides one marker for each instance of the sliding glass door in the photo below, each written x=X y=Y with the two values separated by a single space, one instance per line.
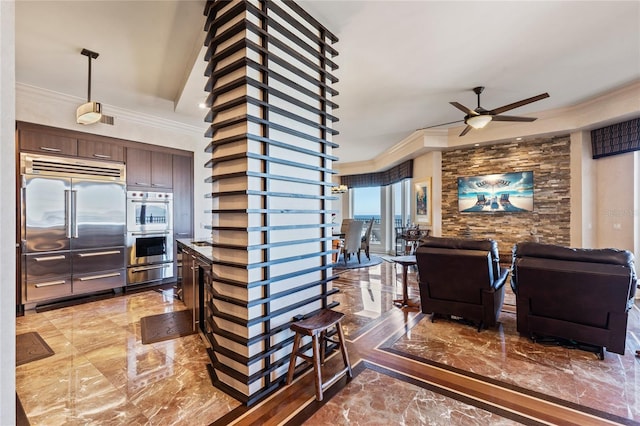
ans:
x=366 y=206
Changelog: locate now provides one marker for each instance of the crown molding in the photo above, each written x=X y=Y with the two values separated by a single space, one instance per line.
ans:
x=134 y=117
x=619 y=104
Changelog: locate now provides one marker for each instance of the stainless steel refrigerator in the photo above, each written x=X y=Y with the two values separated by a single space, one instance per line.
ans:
x=72 y=227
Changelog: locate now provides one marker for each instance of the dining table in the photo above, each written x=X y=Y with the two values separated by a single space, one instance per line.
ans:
x=405 y=262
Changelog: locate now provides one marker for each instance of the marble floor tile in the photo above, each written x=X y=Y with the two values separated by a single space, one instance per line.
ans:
x=101 y=373
x=375 y=399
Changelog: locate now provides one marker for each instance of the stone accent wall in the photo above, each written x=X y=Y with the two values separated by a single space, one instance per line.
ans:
x=549 y=158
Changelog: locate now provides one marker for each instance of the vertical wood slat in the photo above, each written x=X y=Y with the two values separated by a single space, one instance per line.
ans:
x=263 y=196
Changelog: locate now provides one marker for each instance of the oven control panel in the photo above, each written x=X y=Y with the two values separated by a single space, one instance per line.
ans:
x=151 y=196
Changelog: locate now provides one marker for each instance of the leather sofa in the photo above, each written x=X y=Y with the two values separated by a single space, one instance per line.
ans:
x=581 y=295
x=462 y=278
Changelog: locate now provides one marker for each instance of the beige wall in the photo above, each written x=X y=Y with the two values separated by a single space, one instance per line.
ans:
x=583 y=192
x=615 y=201
x=425 y=167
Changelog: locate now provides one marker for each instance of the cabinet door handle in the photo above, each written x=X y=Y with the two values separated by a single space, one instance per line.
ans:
x=49 y=149
x=48 y=258
x=148 y=268
x=150 y=201
x=151 y=233
x=97 y=277
x=101 y=156
x=142 y=183
x=101 y=253
x=49 y=284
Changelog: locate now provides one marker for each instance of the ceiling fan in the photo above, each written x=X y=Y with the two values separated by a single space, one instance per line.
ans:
x=480 y=117
x=91 y=112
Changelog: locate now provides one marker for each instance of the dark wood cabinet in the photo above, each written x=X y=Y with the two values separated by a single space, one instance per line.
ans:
x=149 y=169
x=182 y=196
x=182 y=200
x=196 y=276
x=47 y=143
x=161 y=170
x=100 y=150
x=138 y=167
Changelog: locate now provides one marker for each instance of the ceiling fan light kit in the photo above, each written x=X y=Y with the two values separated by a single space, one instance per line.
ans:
x=478 y=121
x=90 y=112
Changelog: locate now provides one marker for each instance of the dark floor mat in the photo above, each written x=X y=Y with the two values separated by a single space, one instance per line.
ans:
x=156 y=328
x=30 y=347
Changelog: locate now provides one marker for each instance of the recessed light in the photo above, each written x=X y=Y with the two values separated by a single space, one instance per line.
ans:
x=518 y=139
x=476 y=144
x=202 y=105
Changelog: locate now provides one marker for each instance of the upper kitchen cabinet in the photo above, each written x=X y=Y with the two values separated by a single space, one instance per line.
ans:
x=100 y=150
x=68 y=143
x=47 y=143
x=149 y=169
x=161 y=170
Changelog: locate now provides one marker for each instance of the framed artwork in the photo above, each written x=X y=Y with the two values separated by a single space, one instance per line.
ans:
x=423 y=201
x=497 y=193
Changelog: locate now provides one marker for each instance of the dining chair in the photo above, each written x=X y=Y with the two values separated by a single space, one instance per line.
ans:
x=400 y=241
x=345 y=225
x=352 y=240
x=364 y=245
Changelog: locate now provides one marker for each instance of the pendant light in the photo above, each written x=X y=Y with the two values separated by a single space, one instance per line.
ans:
x=90 y=112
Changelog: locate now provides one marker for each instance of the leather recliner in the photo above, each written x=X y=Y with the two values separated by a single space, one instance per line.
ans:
x=461 y=277
x=582 y=295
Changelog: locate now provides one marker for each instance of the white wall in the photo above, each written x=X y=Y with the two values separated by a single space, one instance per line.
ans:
x=7 y=212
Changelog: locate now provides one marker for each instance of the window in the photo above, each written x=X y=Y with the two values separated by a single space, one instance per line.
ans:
x=401 y=203
x=366 y=205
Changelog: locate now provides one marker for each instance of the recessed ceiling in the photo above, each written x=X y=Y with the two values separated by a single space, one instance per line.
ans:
x=401 y=63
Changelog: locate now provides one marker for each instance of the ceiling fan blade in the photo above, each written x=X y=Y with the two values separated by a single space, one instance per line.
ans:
x=441 y=124
x=519 y=104
x=466 y=130
x=463 y=108
x=512 y=118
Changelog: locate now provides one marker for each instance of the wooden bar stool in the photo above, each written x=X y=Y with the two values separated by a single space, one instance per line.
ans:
x=316 y=327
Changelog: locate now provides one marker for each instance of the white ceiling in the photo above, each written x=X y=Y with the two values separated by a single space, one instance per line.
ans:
x=401 y=62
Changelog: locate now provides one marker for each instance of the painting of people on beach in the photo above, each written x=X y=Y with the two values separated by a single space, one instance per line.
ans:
x=506 y=192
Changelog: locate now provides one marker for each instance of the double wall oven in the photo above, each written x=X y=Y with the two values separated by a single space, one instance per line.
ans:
x=149 y=236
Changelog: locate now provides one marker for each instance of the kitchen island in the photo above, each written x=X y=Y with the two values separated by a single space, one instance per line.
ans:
x=194 y=274
x=195 y=286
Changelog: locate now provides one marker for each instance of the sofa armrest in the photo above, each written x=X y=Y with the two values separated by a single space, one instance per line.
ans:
x=502 y=278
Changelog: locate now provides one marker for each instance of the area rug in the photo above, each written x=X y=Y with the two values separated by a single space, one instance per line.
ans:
x=31 y=347
x=156 y=328
x=353 y=262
